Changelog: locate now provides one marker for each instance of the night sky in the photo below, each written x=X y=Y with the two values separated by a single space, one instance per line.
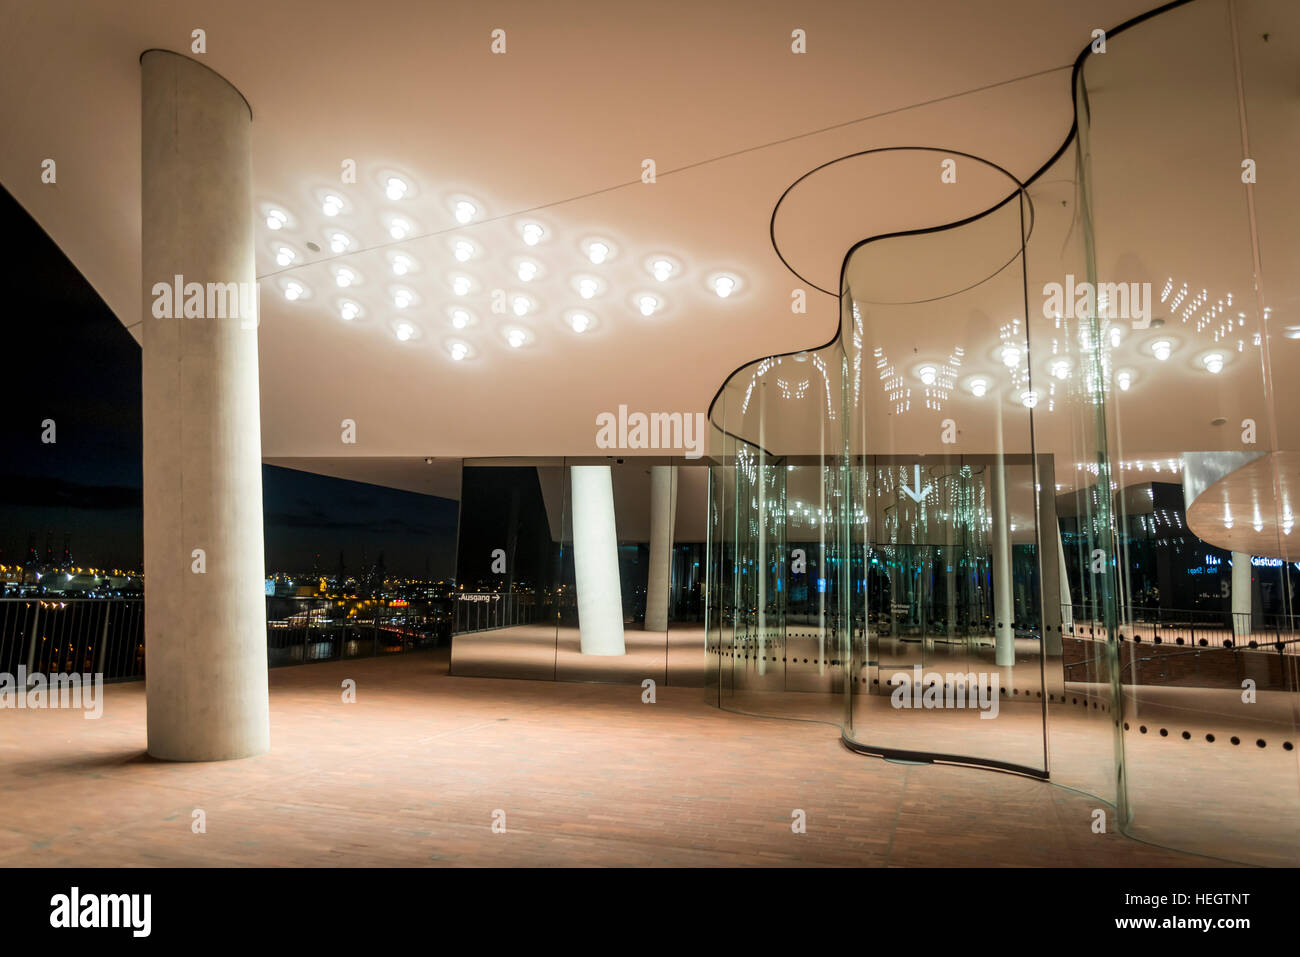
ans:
x=66 y=357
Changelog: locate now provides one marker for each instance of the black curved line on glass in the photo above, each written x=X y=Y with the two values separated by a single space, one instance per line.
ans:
x=1060 y=150
x=771 y=227
x=933 y=757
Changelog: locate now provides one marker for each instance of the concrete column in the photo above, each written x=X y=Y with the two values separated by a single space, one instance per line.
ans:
x=595 y=561
x=1004 y=634
x=205 y=612
x=1241 y=594
x=663 y=515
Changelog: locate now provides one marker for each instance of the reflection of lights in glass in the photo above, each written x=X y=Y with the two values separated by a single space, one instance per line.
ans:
x=1115 y=334
x=1029 y=398
x=927 y=374
x=723 y=286
x=1214 y=363
x=1124 y=379
x=401 y=264
x=979 y=387
x=1010 y=356
x=527 y=271
x=597 y=252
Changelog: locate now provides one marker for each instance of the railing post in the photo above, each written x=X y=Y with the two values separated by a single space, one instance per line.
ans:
x=103 y=638
x=31 y=645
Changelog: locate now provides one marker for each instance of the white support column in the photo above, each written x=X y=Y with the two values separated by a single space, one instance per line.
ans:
x=663 y=515
x=1004 y=634
x=1242 y=606
x=205 y=611
x=595 y=561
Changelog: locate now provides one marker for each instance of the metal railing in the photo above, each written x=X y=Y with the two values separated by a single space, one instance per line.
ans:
x=106 y=635
x=487 y=611
x=1195 y=628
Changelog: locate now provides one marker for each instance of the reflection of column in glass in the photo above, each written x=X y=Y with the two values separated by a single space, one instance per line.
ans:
x=1067 y=599
x=1004 y=635
x=205 y=617
x=951 y=487
x=663 y=511
x=760 y=569
x=595 y=561
x=1241 y=598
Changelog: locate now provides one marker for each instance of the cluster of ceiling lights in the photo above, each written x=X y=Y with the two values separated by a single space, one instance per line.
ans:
x=596 y=250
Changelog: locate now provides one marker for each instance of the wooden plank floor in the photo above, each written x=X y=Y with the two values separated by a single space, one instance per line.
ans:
x=586 y=774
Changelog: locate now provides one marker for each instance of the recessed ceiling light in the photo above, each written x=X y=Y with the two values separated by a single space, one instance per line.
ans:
x=399 y=228
x=403 y=298
x=597 y=251
x=580 y=322
x=458 y=350
x=465 y=211
x=405 y=331
x=1124 y=379
x=339 y=242
x=1010 y=356
x=1162 y=349
x=527 y=270
x=516 y=338
x=395 y=188
x=647 y=303
x=927 y=374
x=401 y=264
x=1214 y=363
x=331 y=205
x=662 y=269
x=520 y=305
x=345 y=277
x=533 y=233
x=293 y=290
x=460 y=285
x=1029 y=398
x=460 y=318
x=979 y=387
x=276 y=219
x=463 y=250
x=349 y=310
x=724 y=286
x=1116 y=334
x=587 y=287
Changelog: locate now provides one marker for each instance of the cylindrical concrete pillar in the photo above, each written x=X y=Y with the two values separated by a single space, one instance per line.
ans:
x=595 y=561
x=1004 y=635
x=1242 y=605
x=663 y=512
x=205 y=604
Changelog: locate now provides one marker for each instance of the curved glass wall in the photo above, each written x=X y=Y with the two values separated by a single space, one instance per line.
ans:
x=1031 y=508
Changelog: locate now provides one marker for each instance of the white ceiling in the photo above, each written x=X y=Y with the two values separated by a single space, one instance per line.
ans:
x=555 y=132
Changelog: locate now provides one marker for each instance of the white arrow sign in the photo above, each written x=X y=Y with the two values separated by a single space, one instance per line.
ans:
x=916 y=480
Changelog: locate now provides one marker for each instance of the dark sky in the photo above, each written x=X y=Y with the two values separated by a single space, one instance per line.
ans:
x=65 y=356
